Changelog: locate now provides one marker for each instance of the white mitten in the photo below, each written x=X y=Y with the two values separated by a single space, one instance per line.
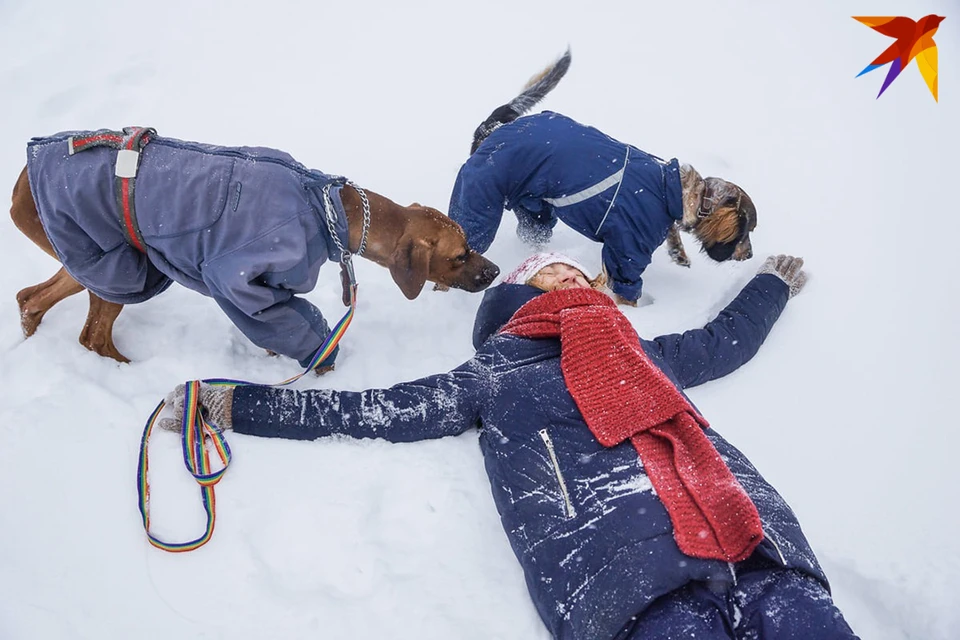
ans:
x=788 y=269
x=216 y=403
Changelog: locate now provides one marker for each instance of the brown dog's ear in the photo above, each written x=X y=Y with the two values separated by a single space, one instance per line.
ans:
x=410 y=265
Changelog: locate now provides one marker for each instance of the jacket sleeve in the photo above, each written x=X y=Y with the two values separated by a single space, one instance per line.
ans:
x=478 y=198
x=441 y=405
x=731 y=339
x=256 y=287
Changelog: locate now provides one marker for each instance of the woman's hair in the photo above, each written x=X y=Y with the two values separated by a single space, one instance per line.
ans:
x=600 y=282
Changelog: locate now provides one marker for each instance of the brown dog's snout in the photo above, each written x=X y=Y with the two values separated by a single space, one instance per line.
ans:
x=476 y=274
x=487 y=274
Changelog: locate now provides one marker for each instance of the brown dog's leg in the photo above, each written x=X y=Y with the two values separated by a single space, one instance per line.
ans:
x=35 y=301
x=97 y=334
x=675 y=247
x=24 y=214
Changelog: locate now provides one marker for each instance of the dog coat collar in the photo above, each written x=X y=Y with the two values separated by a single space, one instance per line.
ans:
x=128 y=144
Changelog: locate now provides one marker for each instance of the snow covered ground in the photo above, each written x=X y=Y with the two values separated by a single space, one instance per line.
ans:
x=846 y=409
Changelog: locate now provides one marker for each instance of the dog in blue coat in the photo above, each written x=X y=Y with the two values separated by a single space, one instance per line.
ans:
x=129 y=212
x=547 y=167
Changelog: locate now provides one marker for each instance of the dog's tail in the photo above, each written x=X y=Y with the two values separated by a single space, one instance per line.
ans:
x=535 y=90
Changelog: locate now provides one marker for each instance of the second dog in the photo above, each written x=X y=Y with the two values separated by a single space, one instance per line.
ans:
x=547 y=167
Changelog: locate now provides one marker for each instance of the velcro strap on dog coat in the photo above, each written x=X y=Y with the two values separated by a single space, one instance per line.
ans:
x=128 y=143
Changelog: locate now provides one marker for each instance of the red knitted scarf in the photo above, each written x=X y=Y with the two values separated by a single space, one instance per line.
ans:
x=622 y=395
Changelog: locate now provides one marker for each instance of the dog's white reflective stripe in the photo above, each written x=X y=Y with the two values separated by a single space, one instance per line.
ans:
x=626 y=159
x=589 y=192
x=597 y=189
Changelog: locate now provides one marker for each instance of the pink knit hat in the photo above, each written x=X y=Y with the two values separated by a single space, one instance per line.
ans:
x=529 y=267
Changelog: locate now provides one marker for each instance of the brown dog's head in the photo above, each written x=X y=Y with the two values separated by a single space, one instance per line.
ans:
x=433 y=247
x=725 y=217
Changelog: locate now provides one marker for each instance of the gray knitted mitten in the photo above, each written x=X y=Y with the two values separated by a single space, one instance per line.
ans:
x=788 y=269
x=215 y=401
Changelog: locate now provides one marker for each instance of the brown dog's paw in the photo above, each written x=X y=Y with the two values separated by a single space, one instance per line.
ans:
x=619 y=299
x=102 y=345
x=327 y=369
x=440 y=287
x=29 y=320
x=30 y=314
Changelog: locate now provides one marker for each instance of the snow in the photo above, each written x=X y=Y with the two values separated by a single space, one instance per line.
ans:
x=845 y=409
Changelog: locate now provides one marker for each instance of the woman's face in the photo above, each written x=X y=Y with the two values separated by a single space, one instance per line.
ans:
x=559 y=276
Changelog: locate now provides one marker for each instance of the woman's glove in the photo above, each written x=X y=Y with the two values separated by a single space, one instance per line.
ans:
x=788 y=269
x=216 y=402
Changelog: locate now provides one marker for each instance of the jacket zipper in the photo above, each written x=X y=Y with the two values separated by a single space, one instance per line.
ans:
x=777 y=547
x=571 y=513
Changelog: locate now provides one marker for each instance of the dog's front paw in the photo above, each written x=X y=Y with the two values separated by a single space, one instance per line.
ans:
x=440 y=287
x=679 y=256
x=619 y=299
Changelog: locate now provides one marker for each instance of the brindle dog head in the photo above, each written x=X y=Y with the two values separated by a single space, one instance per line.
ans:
x=433 y=247
x=725 y=218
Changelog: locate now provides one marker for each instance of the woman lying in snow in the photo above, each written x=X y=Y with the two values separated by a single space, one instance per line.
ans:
x=630 y=517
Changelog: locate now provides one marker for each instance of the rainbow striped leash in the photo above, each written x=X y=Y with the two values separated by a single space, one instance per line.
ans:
x=195 y=431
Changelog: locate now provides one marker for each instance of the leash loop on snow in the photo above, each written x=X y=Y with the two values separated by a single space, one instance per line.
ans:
x=196 y=457
x=195 y=432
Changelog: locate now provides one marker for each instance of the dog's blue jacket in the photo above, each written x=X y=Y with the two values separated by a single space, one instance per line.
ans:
x=526 y=164
x=594 y=562
x=243 y=225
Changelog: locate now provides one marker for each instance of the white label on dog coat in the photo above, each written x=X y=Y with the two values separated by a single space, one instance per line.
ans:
x=127 y=160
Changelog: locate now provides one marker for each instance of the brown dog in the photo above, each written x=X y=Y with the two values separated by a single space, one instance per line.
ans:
x=416 y=243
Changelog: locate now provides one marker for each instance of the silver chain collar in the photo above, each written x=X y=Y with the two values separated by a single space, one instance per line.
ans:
x=330 y=214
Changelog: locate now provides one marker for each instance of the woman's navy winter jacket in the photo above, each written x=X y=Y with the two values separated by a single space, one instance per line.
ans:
x=547 y=165
x=595 y=542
